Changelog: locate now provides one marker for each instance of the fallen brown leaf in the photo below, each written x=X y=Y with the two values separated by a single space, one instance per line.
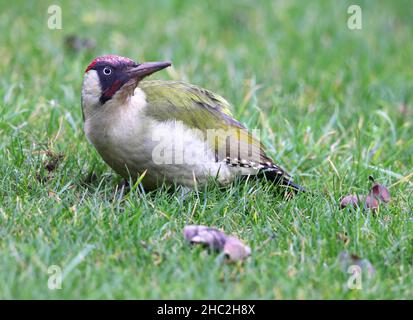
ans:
x=371 y=203
x=352 y=200
x=378 y=193
x=381 y=192
x=233 y=248
x=368 y=202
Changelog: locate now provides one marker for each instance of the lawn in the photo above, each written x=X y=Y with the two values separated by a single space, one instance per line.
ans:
x=334 y=106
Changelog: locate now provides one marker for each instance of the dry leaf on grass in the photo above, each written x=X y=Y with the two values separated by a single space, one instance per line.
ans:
x=378 y=193
x=233 y=248
x=351 y=199
x=371 y=203
x=381 y=192
x=368 y=202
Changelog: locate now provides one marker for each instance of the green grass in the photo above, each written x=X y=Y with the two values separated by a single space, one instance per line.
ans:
x=334 y=106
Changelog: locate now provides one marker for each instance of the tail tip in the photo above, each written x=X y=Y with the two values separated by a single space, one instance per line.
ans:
x=296 y=187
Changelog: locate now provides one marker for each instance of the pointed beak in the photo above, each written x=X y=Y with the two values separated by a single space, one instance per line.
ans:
x=147 y=68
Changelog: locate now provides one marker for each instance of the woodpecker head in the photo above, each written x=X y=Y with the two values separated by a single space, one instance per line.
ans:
x=113 y=77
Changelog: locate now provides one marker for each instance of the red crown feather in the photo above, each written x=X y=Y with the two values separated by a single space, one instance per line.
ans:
x=111 y=59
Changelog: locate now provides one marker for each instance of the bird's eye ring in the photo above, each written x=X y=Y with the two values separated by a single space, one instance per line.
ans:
x=107 y=71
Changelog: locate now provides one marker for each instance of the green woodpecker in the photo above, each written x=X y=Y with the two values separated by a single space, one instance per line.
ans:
x=175 y=133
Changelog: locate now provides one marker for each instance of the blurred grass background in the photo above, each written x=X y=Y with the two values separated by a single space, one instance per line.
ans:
x=334 y=106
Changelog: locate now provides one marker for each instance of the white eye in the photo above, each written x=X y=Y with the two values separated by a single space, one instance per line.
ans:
x=107 y=71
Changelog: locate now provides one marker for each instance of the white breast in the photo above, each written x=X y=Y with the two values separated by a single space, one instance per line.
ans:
x=131 y=143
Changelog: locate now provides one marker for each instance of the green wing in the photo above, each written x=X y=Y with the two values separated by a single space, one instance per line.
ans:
x=196 y=107
x=204 y=110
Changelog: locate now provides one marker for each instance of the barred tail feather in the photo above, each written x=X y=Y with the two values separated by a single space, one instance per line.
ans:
x=296 y=187
x=278 y=177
